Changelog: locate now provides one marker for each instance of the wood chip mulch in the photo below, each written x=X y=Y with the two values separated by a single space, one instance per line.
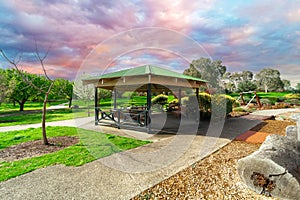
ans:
x=36 y=148
x=215 y=177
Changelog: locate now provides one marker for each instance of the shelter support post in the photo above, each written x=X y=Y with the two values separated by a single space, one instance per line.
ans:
x=96 y=107
x=179 y=98
x=115 y=98
x=148 y=115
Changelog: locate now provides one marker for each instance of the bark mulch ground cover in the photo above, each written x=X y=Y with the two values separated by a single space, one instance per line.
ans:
x=216 y=177
x=36 y=148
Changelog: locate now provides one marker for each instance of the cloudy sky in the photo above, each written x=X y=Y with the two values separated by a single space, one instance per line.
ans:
x=110 y=35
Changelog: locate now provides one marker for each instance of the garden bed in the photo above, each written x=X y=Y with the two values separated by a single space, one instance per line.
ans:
x=214 y=177
x=36 y=148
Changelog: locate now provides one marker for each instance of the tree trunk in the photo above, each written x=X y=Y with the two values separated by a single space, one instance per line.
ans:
x=21 y=103
x=266 y=88
x=21 y=106
x=45 y=140
x=70 y=102
x=274 y=169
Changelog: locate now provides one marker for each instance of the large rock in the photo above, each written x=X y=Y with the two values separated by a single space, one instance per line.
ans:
x=296 y=117
x=274 y=170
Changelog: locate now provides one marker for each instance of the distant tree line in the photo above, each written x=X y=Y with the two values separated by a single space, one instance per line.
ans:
x=267 y=80
x=16 y=88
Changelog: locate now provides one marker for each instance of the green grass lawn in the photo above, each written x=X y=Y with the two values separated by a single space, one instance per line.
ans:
x=92 y=145
x=263 y=94
x=19 y=118
x=6 y=108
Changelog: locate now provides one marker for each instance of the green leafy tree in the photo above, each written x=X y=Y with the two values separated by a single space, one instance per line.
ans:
x=287 y=85
x=63 y=89
x=269 y=80
x=246 y=86
x=239 y=81
x=206 y=69
x=21 y=91
x=297 y=88
x=4 y=86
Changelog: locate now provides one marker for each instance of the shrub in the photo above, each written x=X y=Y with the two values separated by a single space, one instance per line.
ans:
x=160 y=99
x=265 y=102
x=216 y=103
x=292 y=96
x=293 y=101
x=204 y=102
x=174 y=101
x=239 y=109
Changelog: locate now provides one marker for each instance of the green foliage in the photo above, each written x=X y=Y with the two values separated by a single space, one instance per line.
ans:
x=75 y=155
x=104 y=94
x=160 y=99
x=293 y=101
x=129 y=94
x=246 y=86
x=292 y=96
x=269 y=80
x=239 y=109
x=297 y=88
x=204 y=102
x=4 y=87
x=220 y=104
x=266 y=102
x=239 y=81
x=21 y=90
x=62 y=89
x=209 y=70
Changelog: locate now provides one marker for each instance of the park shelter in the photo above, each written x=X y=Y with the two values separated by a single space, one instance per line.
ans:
x=148 y=79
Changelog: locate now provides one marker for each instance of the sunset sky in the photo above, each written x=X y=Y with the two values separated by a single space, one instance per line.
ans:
x=112 y=35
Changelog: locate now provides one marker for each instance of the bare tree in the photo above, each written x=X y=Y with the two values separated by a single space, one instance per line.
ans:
x=45 y=91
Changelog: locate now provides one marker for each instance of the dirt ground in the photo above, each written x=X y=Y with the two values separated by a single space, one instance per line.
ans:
x=36 y=148
x=215 y=177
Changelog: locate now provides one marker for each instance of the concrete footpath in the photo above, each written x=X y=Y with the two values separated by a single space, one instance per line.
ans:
x=126 y=174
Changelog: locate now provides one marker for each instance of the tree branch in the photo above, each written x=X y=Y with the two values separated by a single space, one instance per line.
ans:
x=41 y=60
x=20 y=71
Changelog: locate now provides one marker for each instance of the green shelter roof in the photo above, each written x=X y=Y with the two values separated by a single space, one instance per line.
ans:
x=144 y=70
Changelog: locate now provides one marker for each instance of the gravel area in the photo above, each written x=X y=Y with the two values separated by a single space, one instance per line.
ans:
x=214 y=177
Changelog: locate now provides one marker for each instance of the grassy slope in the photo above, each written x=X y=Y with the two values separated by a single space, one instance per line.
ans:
x=92 y=145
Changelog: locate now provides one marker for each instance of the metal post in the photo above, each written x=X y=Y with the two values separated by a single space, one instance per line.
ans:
x=148 y=117
x=179 y=99
x=115 y=98
x=197 y=94
x=96 y=107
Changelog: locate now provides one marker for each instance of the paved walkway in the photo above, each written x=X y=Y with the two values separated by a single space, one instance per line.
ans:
x=124 y=175
x=71 y=122
x=274 y=112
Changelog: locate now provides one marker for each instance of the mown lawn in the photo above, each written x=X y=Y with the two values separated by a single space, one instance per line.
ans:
x=18 y=118
x=6 y=108
x=92 y=145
